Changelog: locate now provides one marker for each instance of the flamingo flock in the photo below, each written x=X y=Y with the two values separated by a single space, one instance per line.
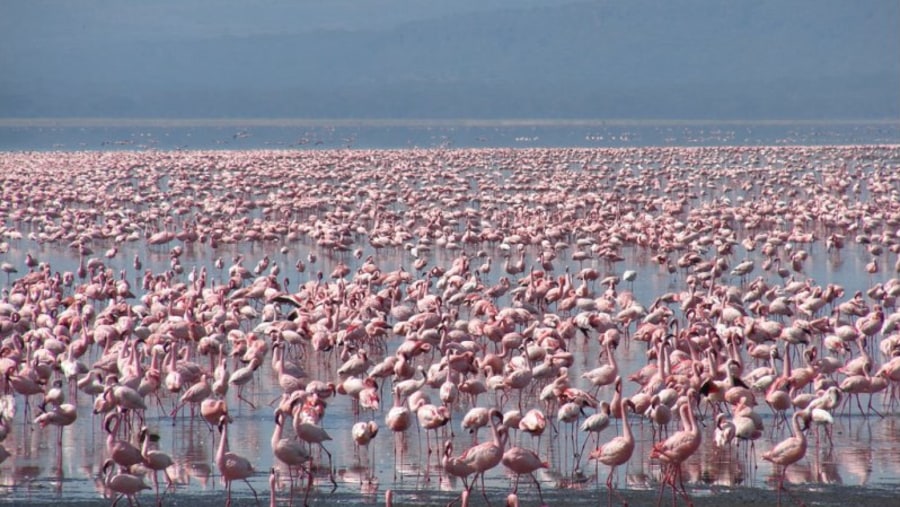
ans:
x=629 y=288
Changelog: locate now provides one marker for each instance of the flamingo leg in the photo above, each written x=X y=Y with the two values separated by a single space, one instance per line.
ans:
x=254 y=492
x=538 y=485
x=330 y=469
x=483 y=490
x=787 y=491
x=395 y=456
x=859 y=405
x=674 y=489
x=780 y=486
x=290 y=485
x=609 y=487
x=662 y=484
x=873 y=409
x=245 y=400
x=156 y=486
x=309 y=484
x=684 y=493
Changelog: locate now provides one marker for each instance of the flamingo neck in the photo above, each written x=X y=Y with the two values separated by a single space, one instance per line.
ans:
x=626 y=427
x=223 y=446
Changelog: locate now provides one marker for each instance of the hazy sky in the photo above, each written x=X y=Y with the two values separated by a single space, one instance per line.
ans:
x=772 y=59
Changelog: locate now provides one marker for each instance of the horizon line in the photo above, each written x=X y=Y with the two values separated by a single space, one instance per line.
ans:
x=412 y=122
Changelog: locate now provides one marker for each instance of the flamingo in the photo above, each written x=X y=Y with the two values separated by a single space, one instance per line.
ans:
x=63 y=415
x=455 y=466
x=596 y=423
x=524 y=461
x=676 y=449
x=232 y=466
x=398 y=419
x=154 y=459
x=242 y=376
x=123 y=484
x=195 y=394
x=313 y=434
x=476 y=418
x=23 y=384
x=120 y=451
x=606 y=374
x=363 y=433
x=534 y=423
x=487 y=455
x=660 y=414
x=790 y=450
x=431 y=417
x=288 y=451
x=748 y=427
x=617 y=451
x=211 y=410
x=725 y=431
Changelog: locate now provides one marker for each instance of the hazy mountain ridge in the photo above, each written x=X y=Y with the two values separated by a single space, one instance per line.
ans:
x=641 y=59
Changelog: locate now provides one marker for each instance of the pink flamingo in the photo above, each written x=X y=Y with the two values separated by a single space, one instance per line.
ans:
x=524 y=461
x=63 y=415
x=232 y=466
x=455 y=466
x=120 y=451
x=398 y=419
x=123 y=484
x=676 y=449
x=789 y=450
x=431 y=417
x=195 y=394
x=155 y=460
x=242 y=376
x=313 y=434
x=288 y=451
x=617 y=451
x=487 y=455
x=606 y=374
x=363 y=433
x=534 y=423
x=211 y=410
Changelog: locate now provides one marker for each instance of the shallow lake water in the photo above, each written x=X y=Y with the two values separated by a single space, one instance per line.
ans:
x=862 y=455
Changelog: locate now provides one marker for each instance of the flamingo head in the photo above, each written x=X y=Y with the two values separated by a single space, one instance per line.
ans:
x=805 y=418
x=108 y=420
x=106 y=464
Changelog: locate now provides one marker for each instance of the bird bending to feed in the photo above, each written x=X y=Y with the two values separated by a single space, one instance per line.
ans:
x=123 y=484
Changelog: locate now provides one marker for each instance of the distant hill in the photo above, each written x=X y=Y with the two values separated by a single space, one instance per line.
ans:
x=775 y=59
